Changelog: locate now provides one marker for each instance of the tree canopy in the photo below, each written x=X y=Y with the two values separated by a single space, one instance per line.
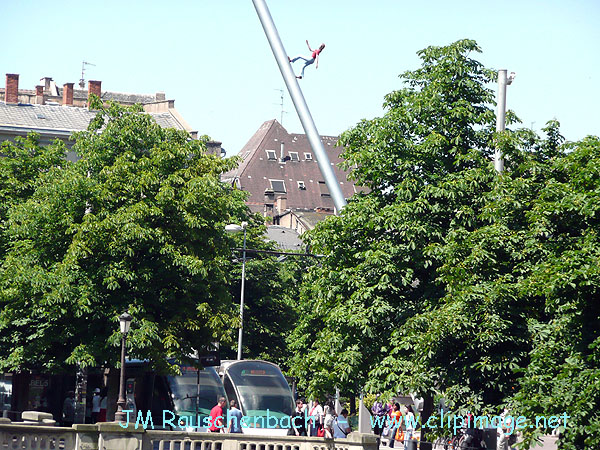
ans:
x=450 y=280
x=137 y=224
x=426 y=163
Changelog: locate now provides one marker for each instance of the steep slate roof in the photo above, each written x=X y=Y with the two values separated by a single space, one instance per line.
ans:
x=60 y=120
x=255 y=171
x=286 y=238
x=310 y=218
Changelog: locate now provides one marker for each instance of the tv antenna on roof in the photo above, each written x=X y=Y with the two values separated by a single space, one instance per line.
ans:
x=82 y=80
x=281 y=104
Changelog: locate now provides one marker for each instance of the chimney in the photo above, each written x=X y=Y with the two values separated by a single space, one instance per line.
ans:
x=39 y=95
x=281 y=152
x=47 y=81
x=11 y=95
x=68 y=94
x=281 y=205
x=94 y=87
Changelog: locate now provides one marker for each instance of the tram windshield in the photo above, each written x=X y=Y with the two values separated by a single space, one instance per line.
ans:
x=261 y=386
x=184 y=390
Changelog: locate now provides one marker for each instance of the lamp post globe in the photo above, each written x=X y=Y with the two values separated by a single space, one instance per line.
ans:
x=124 y=323
x=233 y=228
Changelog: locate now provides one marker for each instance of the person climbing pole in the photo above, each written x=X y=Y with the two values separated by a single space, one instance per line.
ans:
x=314 y=58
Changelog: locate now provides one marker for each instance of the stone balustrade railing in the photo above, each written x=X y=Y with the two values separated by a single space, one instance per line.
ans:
x=111 y=436
x=35 y=437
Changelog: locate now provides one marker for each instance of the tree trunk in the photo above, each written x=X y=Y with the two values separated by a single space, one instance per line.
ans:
x=427 y=412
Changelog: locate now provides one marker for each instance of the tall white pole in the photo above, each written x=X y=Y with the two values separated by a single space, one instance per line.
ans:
x=241 y=330
x=500 y=117
x=300 y=104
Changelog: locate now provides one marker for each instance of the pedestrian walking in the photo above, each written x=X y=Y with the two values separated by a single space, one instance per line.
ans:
x=396 y=422
x=235 y=418
x=379 y=412
x=316 y=418
x=328 y=422
x=216 y=417
x=103 y=405
x=341 y=427
x=96 y=400
x=68 y=411
x=409 y=422
x=298 y=422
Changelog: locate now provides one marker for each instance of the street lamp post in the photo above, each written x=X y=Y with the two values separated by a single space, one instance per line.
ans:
x=232 y=228
x=503 y=81
x=124 y=322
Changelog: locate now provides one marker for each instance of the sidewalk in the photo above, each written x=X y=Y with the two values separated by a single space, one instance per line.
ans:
x=549 y=443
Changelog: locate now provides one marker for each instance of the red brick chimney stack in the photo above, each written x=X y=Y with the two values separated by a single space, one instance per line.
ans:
x=94 y=87
x=39 y=95
x=11 y=95
x=68 y=94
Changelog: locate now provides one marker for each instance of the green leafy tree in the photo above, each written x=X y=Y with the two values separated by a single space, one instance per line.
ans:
x=555 y=276
x=426 y=162
x=448 y=279
x=529 y=276
x=22 y=163
x=136 y=224
x=270 y=297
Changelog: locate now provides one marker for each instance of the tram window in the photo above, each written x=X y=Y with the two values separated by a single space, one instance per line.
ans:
x=229 y=390
x=184 y=390
x=261 y=387
x=5 y=392
x=160 y=399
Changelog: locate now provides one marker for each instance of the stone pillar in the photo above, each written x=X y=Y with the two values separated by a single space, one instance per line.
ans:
x=114 y=437
x=87 y=437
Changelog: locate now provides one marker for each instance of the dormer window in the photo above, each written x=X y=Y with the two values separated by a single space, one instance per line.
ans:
x=323 y=189
x=271 y=155
x=294 y=156
x=308 y=157
x=278 y=186
x=301 y=185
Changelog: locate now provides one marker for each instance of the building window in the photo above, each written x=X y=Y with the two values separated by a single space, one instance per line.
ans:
x=271 y=155
x=308 y=157
x=294 y=156
x=323 y=189
x=278 y=186
x=301 y=185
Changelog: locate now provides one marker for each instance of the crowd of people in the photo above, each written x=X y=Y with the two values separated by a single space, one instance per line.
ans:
x=399 y=423
x=395 y=423
x=315 y=420
x=322 y=421
x=97 y=413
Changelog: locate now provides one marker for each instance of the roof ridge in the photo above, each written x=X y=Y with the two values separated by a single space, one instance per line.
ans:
x=244 y=164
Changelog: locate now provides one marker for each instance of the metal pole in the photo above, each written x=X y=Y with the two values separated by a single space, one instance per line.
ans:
x=501 y=117
x=240 y=333
x=300 y=104
x=120 y=416
x=197 y=390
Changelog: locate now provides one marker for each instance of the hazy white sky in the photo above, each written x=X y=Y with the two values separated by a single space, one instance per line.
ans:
x=213 y=58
